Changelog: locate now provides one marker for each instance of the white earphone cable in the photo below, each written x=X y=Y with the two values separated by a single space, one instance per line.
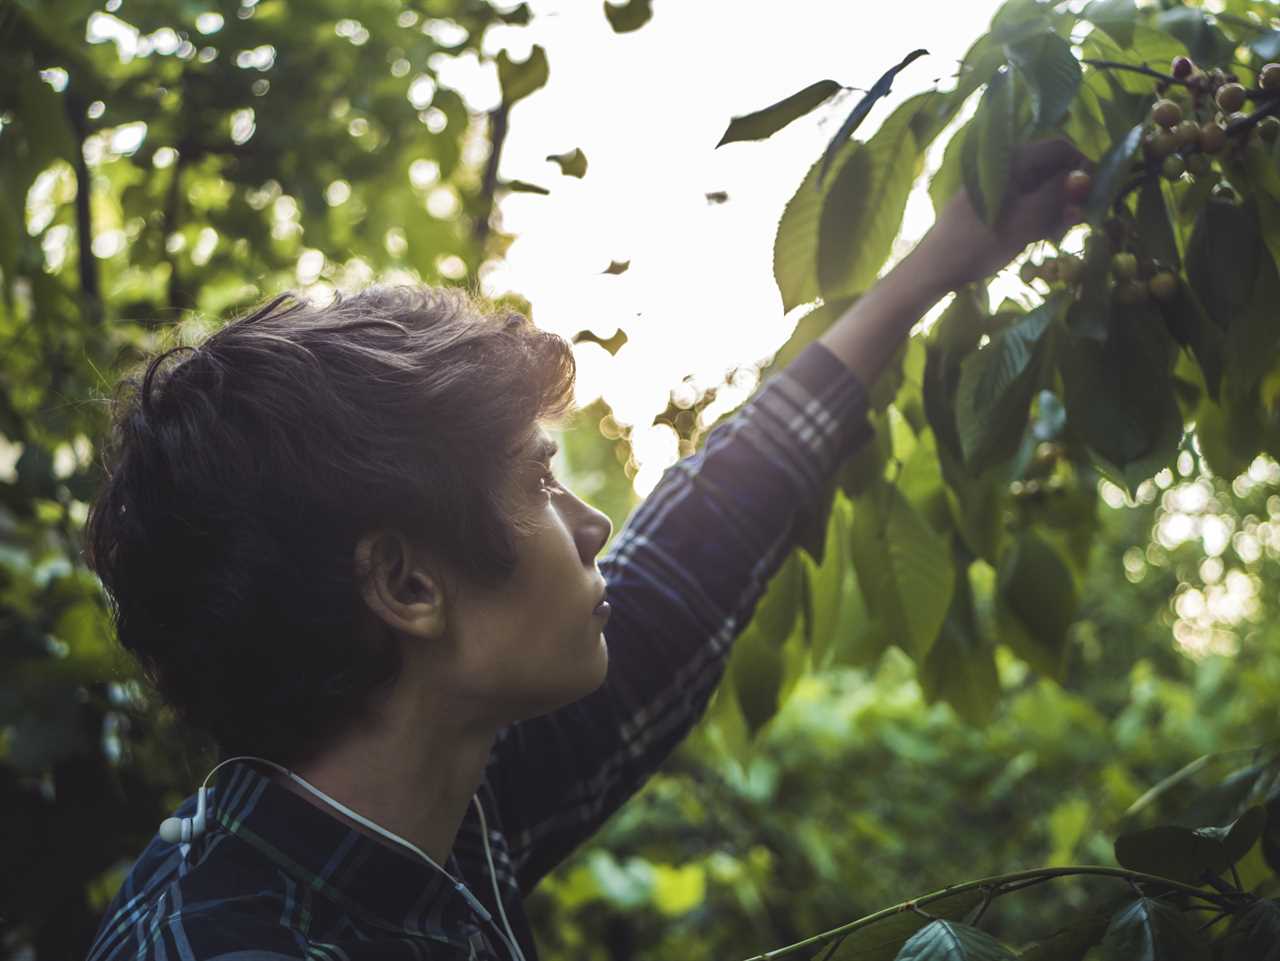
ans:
x=471 y=900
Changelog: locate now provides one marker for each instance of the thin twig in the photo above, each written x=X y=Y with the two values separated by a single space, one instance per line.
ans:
x=1133 y=67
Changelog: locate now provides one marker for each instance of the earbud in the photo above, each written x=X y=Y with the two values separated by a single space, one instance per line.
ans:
x=176 y=830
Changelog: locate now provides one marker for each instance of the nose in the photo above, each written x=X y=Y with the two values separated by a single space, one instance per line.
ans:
x=592 y=533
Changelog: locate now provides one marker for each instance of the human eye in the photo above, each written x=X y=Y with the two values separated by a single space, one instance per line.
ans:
x=548 y=483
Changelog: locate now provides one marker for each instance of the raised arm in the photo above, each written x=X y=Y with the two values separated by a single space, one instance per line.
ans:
x=690 y=565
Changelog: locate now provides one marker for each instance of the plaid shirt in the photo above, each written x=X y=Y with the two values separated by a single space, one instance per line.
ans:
x=275 y=876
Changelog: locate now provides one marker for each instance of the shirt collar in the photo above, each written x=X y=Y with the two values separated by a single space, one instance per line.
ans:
x=373 y=882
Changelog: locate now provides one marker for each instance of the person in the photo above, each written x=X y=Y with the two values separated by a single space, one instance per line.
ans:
x=331 y=537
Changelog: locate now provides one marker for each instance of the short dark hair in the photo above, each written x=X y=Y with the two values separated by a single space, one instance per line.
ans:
x=242 y=472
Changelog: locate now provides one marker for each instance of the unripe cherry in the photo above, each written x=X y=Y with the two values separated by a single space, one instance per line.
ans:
x=1268 y=127
x=1213 y=137
x=1199 y=164
x=1231 y=97
x=1078 y=186
x=1163 y=144
x=1187 y=134
x=1124 y=266
x=1269 y=76
x=1164 y=285
x=1166 y=113
x=1173 y=167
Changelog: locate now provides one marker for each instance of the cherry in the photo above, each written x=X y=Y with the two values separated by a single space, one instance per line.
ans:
x=1187 y=134
x=1230 y=97
x=1166 y=113
x=1213 y=137
x=1163 y=144
x=1070 y=268
x=1124 y=266
x=1269 y=76
x=1181 y=67
x=1078 y=186
x=1173 y=167
x=1199 y=164
x=1268 y=127
x=1164 y=285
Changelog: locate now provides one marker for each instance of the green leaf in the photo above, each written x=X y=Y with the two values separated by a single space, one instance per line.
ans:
x=1111 y=175
x=953 y=941
x=518 y=80
x=949 y=177
x=1116 y=17
x=572 y=164
x=756 y=666
x=884 y=940
x=826 y=577
x=1186 y=854
x=1222 y=259
x=1069 y=943
x=1037 y=599
x=761 y=124
x=521 y=186
x=1207 y=45
x=1119 y=395
x=1190 y=326
x=996 y=385
x=778 y=608
x=629 y=16
x=904 y=569
x=1052 y=74
x=879 y=89
x=795 y=245
x=1155 y=232
x=961 y=667
x=987 y=158
x=1254 y=935
x=1149 y=930
x=862 y=214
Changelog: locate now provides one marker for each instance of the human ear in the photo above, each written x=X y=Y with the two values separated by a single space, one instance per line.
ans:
x=398 y=589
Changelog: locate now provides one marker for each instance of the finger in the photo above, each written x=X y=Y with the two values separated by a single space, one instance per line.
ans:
x=1036 y=162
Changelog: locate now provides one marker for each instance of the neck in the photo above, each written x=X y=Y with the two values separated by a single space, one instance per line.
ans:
x=409 y=775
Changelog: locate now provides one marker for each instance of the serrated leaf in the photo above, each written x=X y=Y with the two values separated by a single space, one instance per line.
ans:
x=1052 y=73
x=881 y=88
x=795 y=245
x=518 y=80
x=862 y=213
x=1149 y=930
x=987 y=154
x=572 y=164
x=1036 y=603
x=883 y=940
x=993 y=395
x=629 y=16
x=953 y=941
x=1185 y=854
x=1111 y=175
x=1116 y=17
x=904 y=569
x=763 y=123
x=1254 y=935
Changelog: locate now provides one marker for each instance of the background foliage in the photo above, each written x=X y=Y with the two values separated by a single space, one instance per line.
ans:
x=977 y=664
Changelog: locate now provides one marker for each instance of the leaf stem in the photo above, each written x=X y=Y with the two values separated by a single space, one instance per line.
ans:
x=998 y=883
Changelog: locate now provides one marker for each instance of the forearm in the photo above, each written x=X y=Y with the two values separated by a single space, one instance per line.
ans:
x=866 y=335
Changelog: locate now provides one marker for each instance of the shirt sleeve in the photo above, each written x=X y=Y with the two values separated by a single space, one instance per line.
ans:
x=684 y=577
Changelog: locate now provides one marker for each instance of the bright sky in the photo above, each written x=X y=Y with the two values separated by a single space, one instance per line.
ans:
x=647 y=108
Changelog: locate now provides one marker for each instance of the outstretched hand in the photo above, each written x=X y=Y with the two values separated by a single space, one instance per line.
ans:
x=960 y=248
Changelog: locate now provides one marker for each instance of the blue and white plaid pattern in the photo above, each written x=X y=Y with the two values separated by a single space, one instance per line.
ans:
x=275 y=876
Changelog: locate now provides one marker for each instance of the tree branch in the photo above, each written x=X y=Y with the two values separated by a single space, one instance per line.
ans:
x=90 y=291
x=497 y=137
x=1133 y=67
